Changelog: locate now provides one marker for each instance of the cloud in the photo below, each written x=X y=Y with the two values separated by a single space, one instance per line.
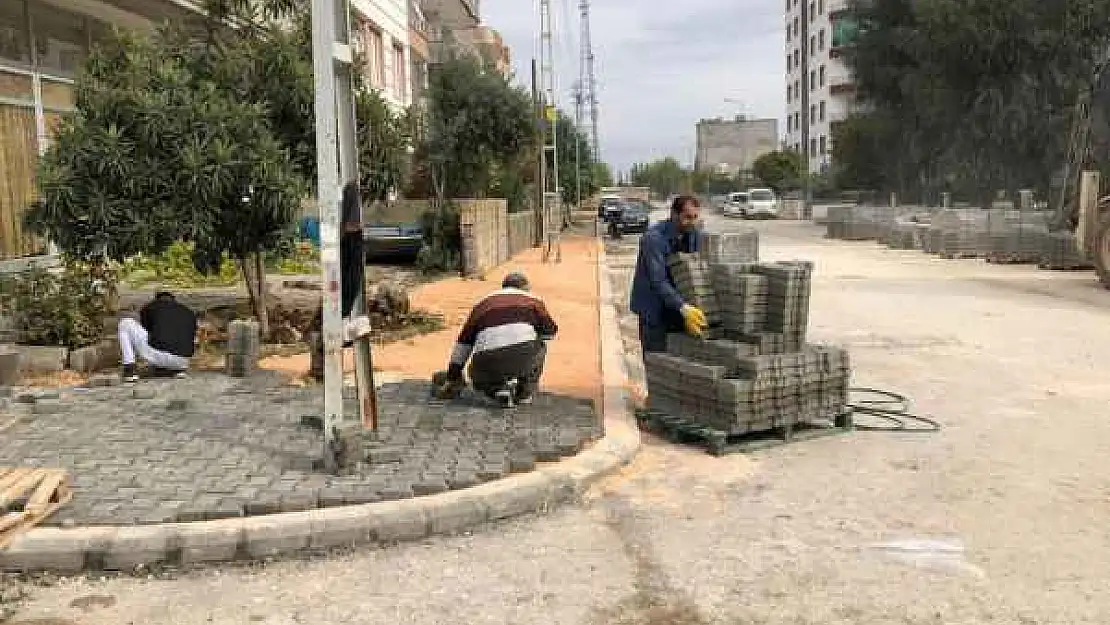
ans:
x=661 y=66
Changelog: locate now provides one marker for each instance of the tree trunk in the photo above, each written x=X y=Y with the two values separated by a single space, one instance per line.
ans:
x=254 y=274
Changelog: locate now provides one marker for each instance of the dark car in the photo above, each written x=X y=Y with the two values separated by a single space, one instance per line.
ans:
x=395 y=242
x=634 y=217
x=609 y=207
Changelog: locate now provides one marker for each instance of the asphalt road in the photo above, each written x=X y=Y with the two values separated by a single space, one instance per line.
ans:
x=999 y=518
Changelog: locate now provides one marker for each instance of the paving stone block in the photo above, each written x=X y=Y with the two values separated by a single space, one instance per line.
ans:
x=456 y=513
x=104 y=380
x=144 y=392
x=47 y=407
x=269 y=503
x=384 y=454
x=429 y=486
x=340 y=527
x=397 y=491
x=208 y=542
x=298 y=501
x=522 y=462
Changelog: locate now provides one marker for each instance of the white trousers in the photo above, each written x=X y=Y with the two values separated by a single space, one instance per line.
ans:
x=134 y=341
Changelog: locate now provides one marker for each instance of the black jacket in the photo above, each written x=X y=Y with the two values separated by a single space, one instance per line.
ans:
x=171 y=327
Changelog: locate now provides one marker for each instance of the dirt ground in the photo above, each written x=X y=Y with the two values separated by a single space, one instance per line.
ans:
x=1000 y=518
x=568 y=288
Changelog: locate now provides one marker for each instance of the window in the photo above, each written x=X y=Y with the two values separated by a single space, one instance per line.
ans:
x=821 y=111
x=797 y=123
x=813 y=113
x=372 y=49
x=795 y=26
x=789 y=124
x=812 y=80
x=787 y=5
x=15 y=40
x=788 y=62
x=788 y=32
x=812 y=146
x=821 y=39
x=400 y=76
x=789 y=92
x=821 y=76
x=797 y=91
x=823 y=145
x=812 y=10
x=797 y=57
x=821 y=6
x=812 y=45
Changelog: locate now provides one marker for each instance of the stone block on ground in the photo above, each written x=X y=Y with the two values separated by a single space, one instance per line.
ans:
x=10 y=366
x=42 y=359
x=244 y=341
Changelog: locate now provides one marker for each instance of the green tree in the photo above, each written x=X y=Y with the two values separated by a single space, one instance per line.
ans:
x=782 y=170
x=977 y=94
x=664 y=177
x=169 y=144
x=575 y=166
x=385 y=139
x=478 y=125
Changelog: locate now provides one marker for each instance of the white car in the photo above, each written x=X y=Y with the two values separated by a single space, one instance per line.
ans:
x=762 y=204
x=737 y=205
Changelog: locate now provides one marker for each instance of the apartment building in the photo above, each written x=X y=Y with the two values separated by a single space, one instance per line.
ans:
x=381 y=37
x=819 y=87
x=731 y=146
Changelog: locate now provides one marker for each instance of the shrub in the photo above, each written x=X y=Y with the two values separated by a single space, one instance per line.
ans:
x=60 y=308
x=442 y=249
x=176 y=267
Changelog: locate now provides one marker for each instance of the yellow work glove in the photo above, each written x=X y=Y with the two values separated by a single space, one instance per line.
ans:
x=695 y=320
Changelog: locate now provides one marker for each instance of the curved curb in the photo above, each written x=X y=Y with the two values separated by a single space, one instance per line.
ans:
x=125 y=548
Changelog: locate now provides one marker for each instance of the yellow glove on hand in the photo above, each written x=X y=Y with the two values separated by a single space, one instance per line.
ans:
x=695 y=320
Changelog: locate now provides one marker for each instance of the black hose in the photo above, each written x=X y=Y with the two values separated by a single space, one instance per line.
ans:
x=890 y=407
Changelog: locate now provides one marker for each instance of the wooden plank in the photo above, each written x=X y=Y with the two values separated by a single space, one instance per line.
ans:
x=11 y=521
x=44 y=493
x=13 y=476
x=18 y=489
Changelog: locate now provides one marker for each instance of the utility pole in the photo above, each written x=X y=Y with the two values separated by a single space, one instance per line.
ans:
x=552 y=247
x=541 y=189
x=337 y=156
x=590 y=79
x=577 y=145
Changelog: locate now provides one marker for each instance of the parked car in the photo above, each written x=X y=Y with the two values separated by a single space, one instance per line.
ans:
x=393 y=241
x=608 y=207
x=634 y=218
x=737 y=205
x=762 y=204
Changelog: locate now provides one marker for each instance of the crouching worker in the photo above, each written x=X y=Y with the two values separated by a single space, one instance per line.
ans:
x=163 y=334
x=504 y=338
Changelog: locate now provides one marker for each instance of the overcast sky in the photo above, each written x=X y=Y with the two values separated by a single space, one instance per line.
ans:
x=661 y=65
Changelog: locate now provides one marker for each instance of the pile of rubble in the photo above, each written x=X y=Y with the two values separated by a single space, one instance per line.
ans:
x=754 y=370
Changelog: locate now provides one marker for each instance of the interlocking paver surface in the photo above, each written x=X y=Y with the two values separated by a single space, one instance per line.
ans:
x=212 y=447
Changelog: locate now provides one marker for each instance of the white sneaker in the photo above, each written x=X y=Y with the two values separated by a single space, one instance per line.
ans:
x=504 y=398
x=357 y=328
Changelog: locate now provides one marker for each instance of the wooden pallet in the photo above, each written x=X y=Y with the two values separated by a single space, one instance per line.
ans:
x=1010 y=259
x=958 y=255
x=28 y=496
x=683 y=431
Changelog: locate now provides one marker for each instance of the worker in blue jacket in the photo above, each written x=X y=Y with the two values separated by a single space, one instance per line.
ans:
x=655 y=300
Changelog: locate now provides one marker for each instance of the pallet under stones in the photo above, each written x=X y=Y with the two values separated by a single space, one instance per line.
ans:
x=683 y=431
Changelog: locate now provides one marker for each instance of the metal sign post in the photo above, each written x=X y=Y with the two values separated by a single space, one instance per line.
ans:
x=337 y=164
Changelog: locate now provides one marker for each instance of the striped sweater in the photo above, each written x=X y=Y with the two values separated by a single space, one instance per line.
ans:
x=503 y=318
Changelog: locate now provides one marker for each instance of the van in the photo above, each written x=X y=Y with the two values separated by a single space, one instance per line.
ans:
x=762 y=204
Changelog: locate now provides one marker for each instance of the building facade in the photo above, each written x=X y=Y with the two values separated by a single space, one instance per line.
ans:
x=381 y=38
x=820 y=91
x=732 y=146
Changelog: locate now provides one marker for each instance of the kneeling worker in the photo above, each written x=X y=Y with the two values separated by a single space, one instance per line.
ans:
x=164 y=335
x=504 y=340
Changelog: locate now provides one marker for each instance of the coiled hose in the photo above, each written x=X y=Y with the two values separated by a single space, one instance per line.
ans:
x=889 y=407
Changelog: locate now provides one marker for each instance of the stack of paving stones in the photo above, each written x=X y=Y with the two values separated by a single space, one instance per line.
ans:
x=755 y=372
x=730 y=247
x=238 y=447
x=1014 y=236
x=693 y=278
x=960 y=232
x=901 y=234
x=244 y=340
x=1060 y=252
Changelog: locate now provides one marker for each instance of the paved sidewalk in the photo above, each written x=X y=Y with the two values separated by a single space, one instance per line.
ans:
x=175 y=460
x=570 y=290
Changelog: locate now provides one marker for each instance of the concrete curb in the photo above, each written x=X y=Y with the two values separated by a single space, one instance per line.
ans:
x=125 y=548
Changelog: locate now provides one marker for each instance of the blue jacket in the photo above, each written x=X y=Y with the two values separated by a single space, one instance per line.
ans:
x=654 y=298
